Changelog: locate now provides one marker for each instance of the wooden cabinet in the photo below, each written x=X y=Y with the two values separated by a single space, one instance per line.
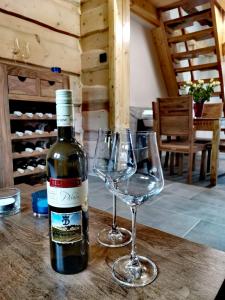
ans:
x=27 y=90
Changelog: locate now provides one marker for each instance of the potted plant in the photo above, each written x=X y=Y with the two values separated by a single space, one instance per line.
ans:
x=201 y=93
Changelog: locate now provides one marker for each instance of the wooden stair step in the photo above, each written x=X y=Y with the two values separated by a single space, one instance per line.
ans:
x=188 y=20
x=193 y=53
x=197 y=36
x=176 y=4
x=197 y=67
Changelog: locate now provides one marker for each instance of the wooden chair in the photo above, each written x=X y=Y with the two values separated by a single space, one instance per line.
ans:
x=211 y=110
x=175 y=119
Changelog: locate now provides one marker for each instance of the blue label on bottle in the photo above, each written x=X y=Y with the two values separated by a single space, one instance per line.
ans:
x=66 y=228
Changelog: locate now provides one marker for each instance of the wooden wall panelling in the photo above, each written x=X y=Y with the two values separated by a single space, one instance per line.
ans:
x=98 y=40
x=76 y=87
x=94 y=20
x=90 y=60
x=59 y=14
x=6 y=168
x=119 y=39
x=47 y=48
x=90 y=4
x=165 y=61
x=95 y=75
x=93 y=120
x=99 y=77
x=95 y=93
x=146 y=10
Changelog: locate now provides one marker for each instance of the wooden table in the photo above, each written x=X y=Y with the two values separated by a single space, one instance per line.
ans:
x=186 y=270
x=214 y=125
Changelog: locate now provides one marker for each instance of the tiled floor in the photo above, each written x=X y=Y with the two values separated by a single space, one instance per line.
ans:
x=194 y=212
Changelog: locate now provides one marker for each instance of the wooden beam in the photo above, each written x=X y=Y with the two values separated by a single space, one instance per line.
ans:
x=6 y=168
x=94 y=20
x=221 y=3
x=119 y=79
x=165 y=61
x=146 y=10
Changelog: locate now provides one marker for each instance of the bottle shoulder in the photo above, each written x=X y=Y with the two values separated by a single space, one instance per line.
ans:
x=64 y=149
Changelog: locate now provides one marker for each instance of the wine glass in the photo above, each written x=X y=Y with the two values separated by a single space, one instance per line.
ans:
x=147 y=181
x=114 y=159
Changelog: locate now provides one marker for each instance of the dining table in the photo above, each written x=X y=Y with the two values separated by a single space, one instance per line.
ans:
x=186 y=270
x=215 y=125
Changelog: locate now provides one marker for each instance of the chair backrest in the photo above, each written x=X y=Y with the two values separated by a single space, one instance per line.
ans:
x=212 y=110
x=155 y=115
x=175 y=116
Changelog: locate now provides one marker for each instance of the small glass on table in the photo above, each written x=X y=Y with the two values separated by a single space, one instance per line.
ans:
x=134 y=270
x=115 y=165
x=9 y=201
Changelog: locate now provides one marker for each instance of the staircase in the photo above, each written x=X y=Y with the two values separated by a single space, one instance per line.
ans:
x=189 y=44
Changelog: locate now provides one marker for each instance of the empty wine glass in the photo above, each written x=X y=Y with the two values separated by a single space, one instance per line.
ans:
x=147 y=181
x=114 y=159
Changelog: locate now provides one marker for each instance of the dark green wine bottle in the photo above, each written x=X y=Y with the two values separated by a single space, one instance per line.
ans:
x=67 y=188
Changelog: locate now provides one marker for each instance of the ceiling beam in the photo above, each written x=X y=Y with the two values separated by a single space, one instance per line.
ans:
x=146 y=10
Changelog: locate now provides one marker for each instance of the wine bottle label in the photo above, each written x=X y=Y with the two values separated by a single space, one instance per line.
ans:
x=67 y=192
x=66 y=228
x=64 y=115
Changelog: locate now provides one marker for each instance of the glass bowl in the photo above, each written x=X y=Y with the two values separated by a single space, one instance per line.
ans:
x=9 y=201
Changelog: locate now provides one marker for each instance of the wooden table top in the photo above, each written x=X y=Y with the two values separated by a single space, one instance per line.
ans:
x=186 y=270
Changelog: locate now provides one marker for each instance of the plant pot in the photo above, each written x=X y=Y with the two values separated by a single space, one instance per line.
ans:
x=198 y=108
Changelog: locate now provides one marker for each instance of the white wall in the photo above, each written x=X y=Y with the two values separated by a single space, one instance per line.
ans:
x=146 y=81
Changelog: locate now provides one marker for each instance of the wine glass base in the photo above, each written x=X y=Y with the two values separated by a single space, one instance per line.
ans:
x=144 y=275
x=108 y=238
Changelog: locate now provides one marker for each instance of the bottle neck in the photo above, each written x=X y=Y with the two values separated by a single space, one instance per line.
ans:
x=65 y=133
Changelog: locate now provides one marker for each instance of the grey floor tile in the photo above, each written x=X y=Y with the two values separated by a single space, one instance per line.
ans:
x=209 y=234
x=192 y=211
x=174 y=223
x=191 y=207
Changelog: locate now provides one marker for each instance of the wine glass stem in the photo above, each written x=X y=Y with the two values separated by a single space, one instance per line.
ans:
x=133 y=255
x=114 y=225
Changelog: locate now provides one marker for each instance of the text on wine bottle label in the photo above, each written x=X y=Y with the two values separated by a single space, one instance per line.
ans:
x=68 y=192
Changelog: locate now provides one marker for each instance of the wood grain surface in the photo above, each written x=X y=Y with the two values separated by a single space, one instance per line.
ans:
x=186 y=270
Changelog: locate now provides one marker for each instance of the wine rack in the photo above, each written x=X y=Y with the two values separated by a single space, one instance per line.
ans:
x=27 y=90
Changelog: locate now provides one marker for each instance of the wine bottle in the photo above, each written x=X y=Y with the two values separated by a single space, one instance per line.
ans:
x=17 y=129
x=31 y=164
x=28 y=129
x=20 y=165
x=18 y=147
x=49 y=115
x=67 y=194
x=29 y=114
x=41 y=163
x=29 y=147
x=40 y=145
x=43 y=127
x=39 y=114
x=17 y=113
